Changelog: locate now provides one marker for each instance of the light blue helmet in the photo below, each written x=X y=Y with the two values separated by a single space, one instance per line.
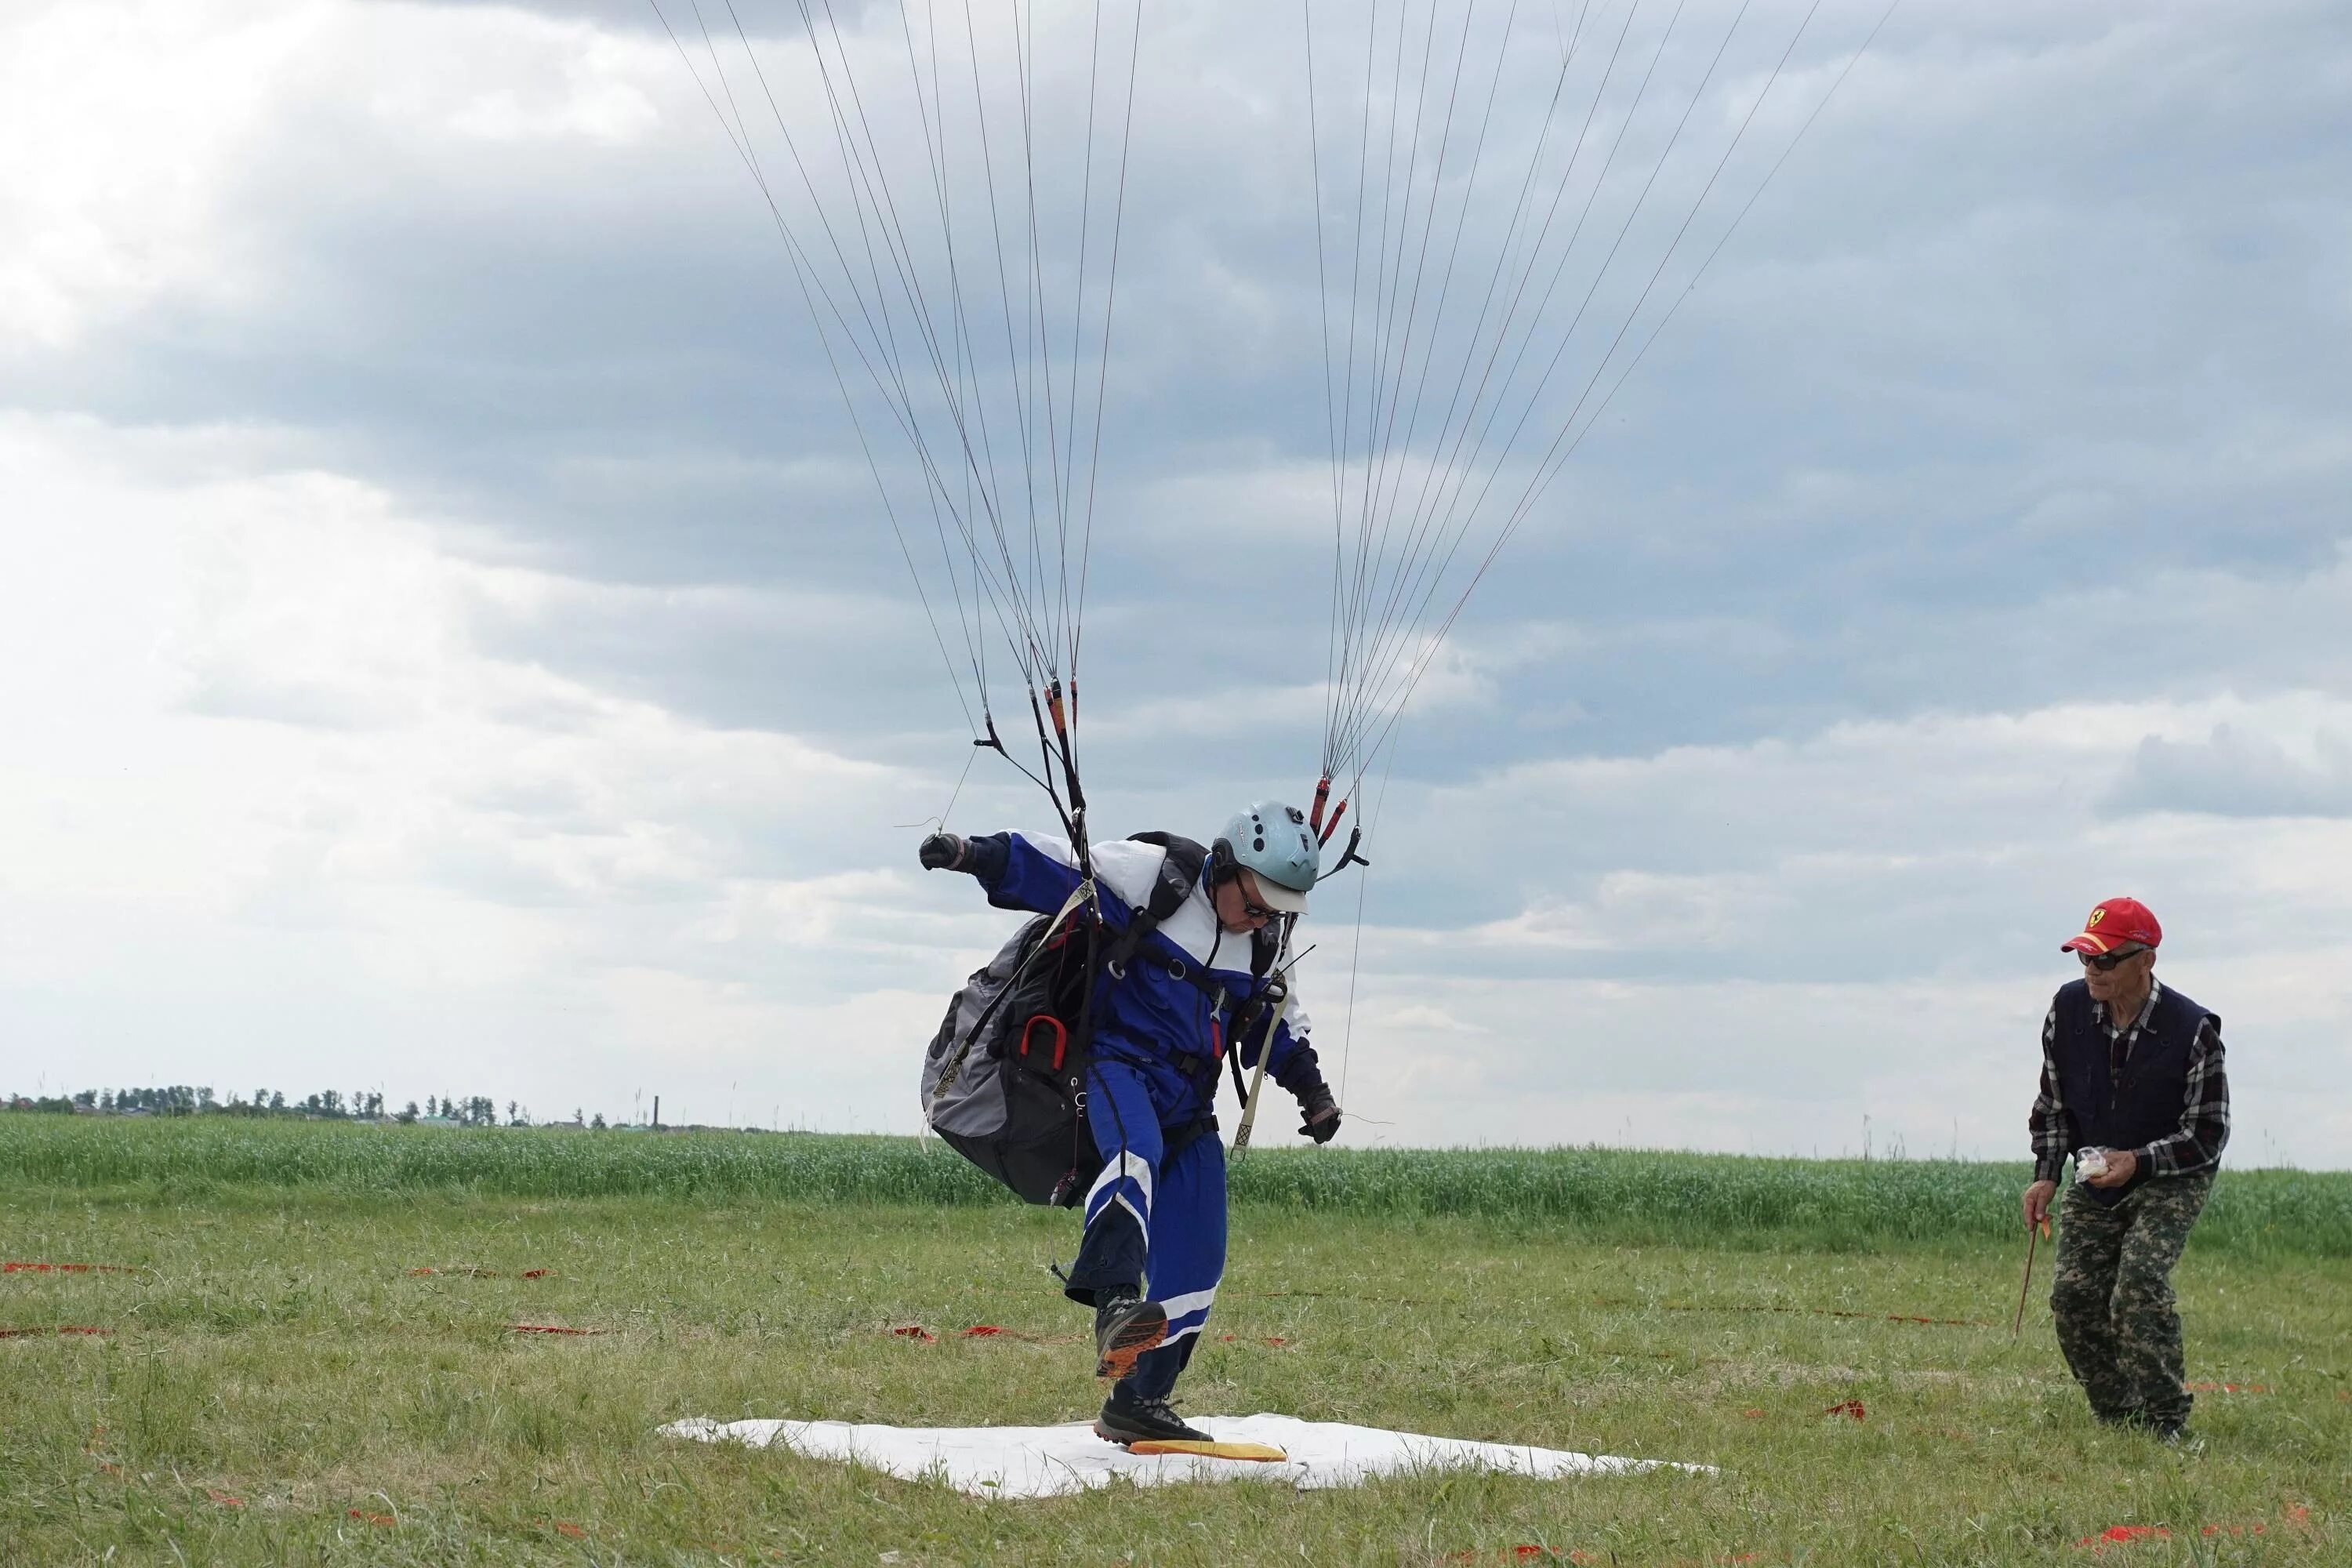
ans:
x=1273 y=843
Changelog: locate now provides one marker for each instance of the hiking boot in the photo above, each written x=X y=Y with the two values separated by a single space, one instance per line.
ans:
x=1130 y=1417
x=2172 y=1431
x=1124 y=1329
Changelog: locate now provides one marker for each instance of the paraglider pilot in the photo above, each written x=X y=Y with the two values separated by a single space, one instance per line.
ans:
x=1204 y=983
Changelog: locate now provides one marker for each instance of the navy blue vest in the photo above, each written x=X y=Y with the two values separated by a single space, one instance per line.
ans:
x=2146 y=1102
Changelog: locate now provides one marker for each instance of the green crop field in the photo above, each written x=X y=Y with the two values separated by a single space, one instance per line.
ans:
x=279 y=1380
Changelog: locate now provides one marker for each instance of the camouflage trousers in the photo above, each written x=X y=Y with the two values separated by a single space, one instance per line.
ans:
x=2113 y=1299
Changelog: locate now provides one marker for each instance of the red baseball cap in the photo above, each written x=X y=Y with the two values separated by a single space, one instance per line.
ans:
x=2118 y=923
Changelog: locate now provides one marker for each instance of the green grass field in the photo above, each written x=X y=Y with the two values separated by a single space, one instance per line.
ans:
x=280 y=1385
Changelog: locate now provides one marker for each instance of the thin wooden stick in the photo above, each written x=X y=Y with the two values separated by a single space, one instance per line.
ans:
x=2033 y=1236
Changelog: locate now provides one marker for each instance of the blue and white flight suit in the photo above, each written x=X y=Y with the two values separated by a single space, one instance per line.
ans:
x=1155 y=1220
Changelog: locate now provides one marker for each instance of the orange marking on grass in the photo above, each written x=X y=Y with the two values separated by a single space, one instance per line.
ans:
x=2123 y=1535
x=992 y=1331
x=63 y=1268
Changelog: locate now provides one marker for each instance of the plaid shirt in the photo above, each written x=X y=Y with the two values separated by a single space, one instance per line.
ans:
x=2205 y=1106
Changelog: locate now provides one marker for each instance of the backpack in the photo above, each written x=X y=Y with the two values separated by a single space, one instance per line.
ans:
x=1004 y=1077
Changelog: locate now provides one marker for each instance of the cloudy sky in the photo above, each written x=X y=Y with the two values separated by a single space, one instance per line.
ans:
x=453 y=644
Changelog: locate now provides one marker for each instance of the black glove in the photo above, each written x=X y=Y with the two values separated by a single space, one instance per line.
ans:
x=1318 y=1115
x=984 y=857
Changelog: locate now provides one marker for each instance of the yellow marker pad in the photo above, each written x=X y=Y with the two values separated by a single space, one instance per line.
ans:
x=1257 y=1451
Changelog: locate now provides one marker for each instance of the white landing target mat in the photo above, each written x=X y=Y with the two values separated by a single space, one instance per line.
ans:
x=1054 y=1461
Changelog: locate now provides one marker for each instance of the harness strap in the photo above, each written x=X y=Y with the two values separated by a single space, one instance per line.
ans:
x=1179 y=869
x=1174 y=1140
x=1197 y=1067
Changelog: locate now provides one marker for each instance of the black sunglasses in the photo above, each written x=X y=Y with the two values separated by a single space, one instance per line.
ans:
x=1252 y=911
x=2103 y=962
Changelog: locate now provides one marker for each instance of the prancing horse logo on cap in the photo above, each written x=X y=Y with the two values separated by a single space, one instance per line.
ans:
x=2096 y=916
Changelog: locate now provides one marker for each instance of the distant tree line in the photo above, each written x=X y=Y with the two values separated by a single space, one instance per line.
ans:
x=327 y=1105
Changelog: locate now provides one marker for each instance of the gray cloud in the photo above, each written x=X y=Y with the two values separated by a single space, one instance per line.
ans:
x=2231 y=773
x=632 y=16
x=626 y=383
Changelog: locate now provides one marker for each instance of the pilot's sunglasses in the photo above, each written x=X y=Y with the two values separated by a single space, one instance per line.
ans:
x=2103 y=962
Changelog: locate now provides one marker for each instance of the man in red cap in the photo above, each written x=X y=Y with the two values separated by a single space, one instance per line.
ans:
x=2132 y=1085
